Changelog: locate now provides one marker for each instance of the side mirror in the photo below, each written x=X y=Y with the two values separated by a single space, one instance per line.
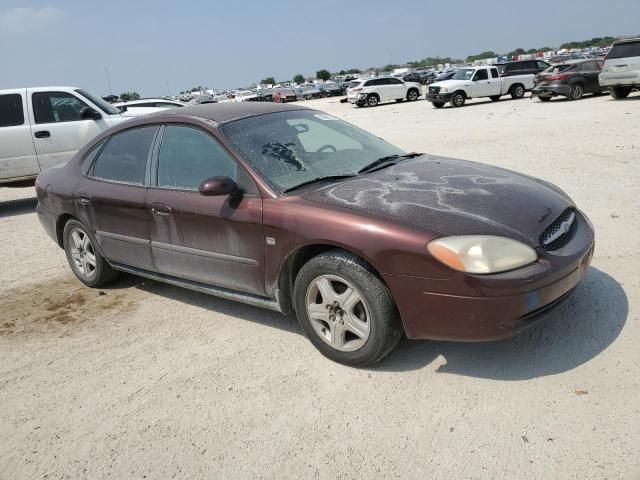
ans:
x=89 y=113
x=218 y=186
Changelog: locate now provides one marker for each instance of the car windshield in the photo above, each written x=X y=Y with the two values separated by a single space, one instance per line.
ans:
x=563 y=67
x=464 y=74
x=106 y=107
x=290 y=148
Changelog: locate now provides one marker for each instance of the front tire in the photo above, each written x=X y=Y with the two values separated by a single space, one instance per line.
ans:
x=620 y=93
x=83 y=256
x=412 y=95
x=576 y=92
x=458 y=99
x=346 y=311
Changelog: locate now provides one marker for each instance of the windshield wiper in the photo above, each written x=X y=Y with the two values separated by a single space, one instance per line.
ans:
x=319 y=179
x=386 y=161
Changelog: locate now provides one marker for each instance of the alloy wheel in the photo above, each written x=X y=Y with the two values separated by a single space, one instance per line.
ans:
x=338 y=313
x=83 y=253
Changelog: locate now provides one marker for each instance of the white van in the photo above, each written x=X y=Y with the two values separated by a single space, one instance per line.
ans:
x=42 y=127
x=621 y=69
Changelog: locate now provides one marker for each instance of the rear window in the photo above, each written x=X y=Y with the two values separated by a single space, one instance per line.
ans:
x=563 y=67
x=354 y=84
x=11 y=113
x=624 y=50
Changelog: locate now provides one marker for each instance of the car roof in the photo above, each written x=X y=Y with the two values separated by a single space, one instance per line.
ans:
x=626 y=40
x=227 y=112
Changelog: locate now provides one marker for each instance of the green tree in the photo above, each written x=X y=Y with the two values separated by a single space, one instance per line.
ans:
x=323 y=74
x=481 y=56
x=128 y=96
x=390 y=67
x=299 y=78
x=353 y=71
x=268 y=81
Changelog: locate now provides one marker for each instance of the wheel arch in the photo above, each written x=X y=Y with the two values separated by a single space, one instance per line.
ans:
x=295 y=260
x=60 y=224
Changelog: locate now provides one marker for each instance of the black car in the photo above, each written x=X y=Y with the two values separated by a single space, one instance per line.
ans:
x=522 y=67
x=571 y=79
x=412 y=77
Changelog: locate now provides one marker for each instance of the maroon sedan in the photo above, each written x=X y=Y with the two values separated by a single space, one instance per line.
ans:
x=294 y=210
x=283 y=95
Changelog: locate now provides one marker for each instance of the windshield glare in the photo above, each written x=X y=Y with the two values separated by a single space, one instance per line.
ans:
x=464 y=74
x=106 y=107
x=289 y=148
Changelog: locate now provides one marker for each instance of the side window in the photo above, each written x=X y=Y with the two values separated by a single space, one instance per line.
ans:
x=124 y=157
x=88 y=159
x=481 y=75
x=394 y=81
x=494 y=73
x=11 y=112
x=55 y=107
x=188 y=156
x=542 y=65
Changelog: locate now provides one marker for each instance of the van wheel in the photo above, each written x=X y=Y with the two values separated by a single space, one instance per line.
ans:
x=412 y=95
x=517 y=91
x=458 y=99
x=438 y=104
x=83 y=256
x=495 y=98
x=620 y=92
x=346 y=311
x=372 y=100
x=576 y=92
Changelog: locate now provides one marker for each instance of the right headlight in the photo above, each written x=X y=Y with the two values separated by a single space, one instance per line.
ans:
x=481 y=254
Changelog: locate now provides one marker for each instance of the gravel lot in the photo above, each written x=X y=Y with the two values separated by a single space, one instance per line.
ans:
x=151 y=380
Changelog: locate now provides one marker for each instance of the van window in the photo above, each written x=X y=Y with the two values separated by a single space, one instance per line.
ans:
x=124 y=158
x=11 y=112
x=624 y=50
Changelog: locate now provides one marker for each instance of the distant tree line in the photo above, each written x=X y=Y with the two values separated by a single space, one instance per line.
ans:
x=128 y=96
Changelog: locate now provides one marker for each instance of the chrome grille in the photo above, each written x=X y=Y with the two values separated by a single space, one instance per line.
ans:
x=434 y=90
x=559 y=233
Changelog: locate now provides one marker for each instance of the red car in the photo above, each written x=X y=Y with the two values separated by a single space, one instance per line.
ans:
x=294 y=210
x=284 y=96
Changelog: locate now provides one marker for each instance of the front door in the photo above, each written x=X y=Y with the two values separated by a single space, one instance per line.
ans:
x=17 y=153
x=111 y=198
x=57 y=126
x=217 y=240
x=482 y=85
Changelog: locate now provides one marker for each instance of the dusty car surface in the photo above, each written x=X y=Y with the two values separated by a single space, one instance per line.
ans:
x=291 y=209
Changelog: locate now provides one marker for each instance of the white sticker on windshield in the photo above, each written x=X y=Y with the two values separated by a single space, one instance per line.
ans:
x=325 y=116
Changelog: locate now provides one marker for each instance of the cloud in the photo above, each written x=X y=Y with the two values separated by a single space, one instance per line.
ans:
x=26 y=19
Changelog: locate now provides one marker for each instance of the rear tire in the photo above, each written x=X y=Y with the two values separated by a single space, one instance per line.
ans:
x=620 y=93
x=495 y=98
x=458 y=99
x=346 y=311
x=576 y=92
x=372 y=100
x=438 y=104
x=83 y=256
x=517 y=91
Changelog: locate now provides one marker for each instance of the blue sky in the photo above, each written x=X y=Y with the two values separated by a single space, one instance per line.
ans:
x=146 y=45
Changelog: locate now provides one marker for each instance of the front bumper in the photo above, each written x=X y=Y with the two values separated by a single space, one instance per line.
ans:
x=490 y=307
x=550 y=90
x=438 y=97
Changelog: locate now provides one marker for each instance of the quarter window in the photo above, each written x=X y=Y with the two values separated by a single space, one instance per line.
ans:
x=494 y=73
x=124 y=158
x=55 y=107
x=188 y=156
x=11 y=112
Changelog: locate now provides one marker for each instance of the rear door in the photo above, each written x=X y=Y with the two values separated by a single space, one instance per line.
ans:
x=216 y=240
x=590 y=72
x=111 y=196
x=17 y=152
x=57 y=126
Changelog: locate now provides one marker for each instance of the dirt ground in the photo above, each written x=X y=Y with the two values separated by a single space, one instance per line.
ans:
x=143 y=380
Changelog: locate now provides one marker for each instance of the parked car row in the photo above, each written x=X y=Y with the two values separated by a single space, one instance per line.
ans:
x=370 y=92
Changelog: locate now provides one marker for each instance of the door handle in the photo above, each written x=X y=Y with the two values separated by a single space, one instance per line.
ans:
x=161 y=210
x=42 y=134
x=84 y=201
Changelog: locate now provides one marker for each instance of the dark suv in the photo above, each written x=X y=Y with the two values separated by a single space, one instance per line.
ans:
x=571 y=79
x=522 y=67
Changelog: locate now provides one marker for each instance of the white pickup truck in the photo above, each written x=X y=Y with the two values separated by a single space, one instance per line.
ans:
x=476 y=82
x=42 y=127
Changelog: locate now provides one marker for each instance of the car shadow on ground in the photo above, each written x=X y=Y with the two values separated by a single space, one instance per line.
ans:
x=570 y=335
x=12 y=208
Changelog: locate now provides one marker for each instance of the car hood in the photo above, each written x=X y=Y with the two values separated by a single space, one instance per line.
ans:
x=452 y=197
x=451 y=83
